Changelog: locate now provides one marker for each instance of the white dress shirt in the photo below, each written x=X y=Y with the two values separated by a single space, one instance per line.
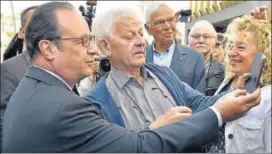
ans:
x=252 y=132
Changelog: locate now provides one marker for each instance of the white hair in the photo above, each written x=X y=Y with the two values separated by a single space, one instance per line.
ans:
x=203 y=23
x=104 y=23
x=153 y=7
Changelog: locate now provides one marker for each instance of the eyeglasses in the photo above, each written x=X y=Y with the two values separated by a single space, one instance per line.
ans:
x=161 y=22
x=205 y=36
x=85 y=40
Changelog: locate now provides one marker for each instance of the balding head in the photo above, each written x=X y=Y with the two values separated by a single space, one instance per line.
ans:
x=202 y=37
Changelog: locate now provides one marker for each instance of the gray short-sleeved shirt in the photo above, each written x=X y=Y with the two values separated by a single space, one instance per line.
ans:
x=138 y=104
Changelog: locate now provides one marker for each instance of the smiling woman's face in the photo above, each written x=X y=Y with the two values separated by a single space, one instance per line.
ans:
x=243 y=53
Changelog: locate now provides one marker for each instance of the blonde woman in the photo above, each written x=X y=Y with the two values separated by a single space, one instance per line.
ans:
x=252 y=132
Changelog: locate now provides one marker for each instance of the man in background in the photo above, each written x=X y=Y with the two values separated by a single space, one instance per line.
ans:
x=187 y=63
x=202 y=38
x=15 y=46
x=13 y=69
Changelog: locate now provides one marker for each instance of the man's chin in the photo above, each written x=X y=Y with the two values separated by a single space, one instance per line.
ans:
x=140 y=63
x=169 y=41
x=203 y=51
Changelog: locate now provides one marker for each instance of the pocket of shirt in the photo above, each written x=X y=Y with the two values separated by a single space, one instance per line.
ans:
x=249 y=134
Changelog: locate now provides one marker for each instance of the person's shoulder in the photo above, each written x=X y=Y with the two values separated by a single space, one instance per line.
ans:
x=157 y=67
x=68 y=102
x=63 y=95
x=13 y=60
x=14 y=63
x=266 y=95
x=160 y=70
x=264 y=108
x=59 y=98
x=189 y=50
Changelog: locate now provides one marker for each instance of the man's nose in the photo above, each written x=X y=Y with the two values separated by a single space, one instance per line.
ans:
x=140 y=41
x=166 y=25
x=92 y=49
x=201 y=39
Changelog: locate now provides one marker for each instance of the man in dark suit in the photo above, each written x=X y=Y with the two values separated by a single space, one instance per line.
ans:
x=13 y=69
x=187 y=63
x=44 y=115
x=15 y=46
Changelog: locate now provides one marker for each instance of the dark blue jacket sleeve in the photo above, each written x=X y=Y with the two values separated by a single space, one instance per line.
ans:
x=198 y=101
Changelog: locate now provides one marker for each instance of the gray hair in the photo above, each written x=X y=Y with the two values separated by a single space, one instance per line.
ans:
x=43 y=26
x=202 y=23
x=104 y=24
x=153 y=7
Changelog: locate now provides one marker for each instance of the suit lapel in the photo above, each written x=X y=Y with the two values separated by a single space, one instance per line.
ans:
x=177 y=59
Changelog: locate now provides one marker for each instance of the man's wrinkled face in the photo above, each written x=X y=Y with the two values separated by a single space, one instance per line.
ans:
x=202 y=39
x=162 y=25
x=242 y=54
x=75 y=57
x=126 y=44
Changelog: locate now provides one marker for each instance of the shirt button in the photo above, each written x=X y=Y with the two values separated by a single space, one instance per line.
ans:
x=147 y=122
x=230 y=136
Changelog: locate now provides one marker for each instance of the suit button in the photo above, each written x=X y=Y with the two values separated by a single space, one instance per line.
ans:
x=230 y=136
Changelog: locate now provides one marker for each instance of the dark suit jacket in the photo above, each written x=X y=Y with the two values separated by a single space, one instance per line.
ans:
x=43 y=115
x=188 y=64
x=12 y=72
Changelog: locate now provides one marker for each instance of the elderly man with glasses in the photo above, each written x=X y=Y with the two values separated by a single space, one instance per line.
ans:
x=187 y=63
x=203 y=38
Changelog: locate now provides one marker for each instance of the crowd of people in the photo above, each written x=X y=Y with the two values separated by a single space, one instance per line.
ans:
x=158 y=97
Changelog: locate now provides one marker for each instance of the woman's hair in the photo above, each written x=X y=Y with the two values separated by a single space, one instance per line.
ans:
x=262 y=32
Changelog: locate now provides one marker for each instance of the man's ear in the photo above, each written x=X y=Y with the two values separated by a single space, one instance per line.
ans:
x=21 y=33
x=48 y=50
x=104 y=46
x=147 y=28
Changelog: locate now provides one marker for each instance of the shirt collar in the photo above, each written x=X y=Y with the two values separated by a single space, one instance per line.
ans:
x=171 y=48
x=121 y=79
x=55 y=75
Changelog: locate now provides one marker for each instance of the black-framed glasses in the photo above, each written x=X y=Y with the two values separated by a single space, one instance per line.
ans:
x=85 y=40
x=162 y=22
